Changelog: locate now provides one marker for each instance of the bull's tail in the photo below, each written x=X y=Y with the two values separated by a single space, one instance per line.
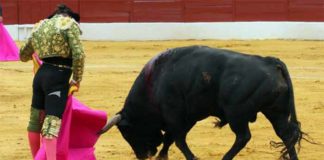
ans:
x=298 y=134
x=291 y=101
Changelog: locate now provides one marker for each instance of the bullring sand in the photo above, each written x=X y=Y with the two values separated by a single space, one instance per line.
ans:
x=111 y=68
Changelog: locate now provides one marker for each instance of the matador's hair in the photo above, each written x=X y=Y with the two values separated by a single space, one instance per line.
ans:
x=63 y=9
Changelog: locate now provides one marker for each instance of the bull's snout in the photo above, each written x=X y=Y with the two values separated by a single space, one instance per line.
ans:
x=146 y=155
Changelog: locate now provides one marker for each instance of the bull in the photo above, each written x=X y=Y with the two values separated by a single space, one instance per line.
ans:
x=184 y=85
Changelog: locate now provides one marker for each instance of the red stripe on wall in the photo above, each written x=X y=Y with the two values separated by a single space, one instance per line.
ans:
x=306 y=10
x=31 y=11
x=209 y=10
x=157 y=11
x=10 y=11
x=103 y=11
x=267 y=10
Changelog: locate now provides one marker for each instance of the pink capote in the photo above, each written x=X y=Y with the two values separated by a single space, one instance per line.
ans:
x=78 y=133
x=8 y=49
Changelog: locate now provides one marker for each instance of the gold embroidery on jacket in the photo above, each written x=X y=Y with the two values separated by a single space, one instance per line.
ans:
x=56 y=37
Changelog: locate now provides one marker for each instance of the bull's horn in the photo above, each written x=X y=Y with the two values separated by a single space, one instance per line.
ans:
x=111 y=122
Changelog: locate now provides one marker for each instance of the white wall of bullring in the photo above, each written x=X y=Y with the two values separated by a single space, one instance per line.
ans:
x=184 y=31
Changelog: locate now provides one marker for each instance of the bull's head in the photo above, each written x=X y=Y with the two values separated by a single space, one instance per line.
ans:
x=143 y=139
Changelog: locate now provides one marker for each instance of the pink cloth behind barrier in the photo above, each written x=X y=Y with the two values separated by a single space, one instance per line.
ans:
x=8 y=48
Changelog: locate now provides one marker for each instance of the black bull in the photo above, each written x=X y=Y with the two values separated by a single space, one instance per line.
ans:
x=184 y=85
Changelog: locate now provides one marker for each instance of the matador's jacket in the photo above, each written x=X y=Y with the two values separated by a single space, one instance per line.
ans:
x=56 y=37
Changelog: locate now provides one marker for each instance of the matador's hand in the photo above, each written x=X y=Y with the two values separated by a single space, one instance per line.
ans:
x=74 y=86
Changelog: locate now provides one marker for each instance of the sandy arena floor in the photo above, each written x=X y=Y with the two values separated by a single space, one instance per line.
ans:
x=111 y=68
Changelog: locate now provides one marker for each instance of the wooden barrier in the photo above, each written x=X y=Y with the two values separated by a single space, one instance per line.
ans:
x=99 y=11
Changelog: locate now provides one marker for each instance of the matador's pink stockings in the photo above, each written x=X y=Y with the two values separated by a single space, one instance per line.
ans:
x=50 y=148
x=34 y=142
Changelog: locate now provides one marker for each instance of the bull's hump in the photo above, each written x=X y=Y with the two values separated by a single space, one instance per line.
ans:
x=171 y=54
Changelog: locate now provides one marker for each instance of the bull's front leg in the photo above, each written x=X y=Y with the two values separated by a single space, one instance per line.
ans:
x=243 y=135
x=167 y=141
x=179 y=135
x=178 y=126
x=180 y=141
x=182 y=145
